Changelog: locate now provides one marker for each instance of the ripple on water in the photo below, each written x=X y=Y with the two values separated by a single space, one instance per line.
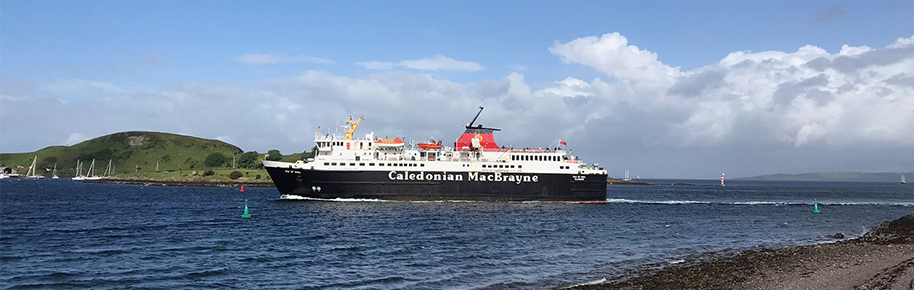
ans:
x=152 y=237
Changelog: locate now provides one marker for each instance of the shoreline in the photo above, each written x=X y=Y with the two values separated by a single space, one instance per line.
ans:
x=883 y=258
x=186 y=182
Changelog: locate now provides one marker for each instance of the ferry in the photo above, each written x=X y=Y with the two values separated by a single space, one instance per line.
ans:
x=474 y=169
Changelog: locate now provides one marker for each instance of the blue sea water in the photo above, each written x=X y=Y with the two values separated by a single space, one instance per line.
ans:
x=66 y=234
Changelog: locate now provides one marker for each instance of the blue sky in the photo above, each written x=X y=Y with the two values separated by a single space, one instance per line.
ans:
x=198 y=40
x=539 y=67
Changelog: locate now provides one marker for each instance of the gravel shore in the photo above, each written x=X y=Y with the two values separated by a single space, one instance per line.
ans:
x=882 y=259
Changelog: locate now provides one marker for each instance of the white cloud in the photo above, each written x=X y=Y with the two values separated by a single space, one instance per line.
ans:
x=251 y=58
x=517 y=67
x=612 y=55
x=761 y=103
x=74 y=139
x=376 y=65
x=440 y=62
x=434 y=63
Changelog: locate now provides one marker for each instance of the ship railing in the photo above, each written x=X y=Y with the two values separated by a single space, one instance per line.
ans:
x=516 y=150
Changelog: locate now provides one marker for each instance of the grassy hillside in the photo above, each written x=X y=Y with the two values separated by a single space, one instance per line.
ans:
x=130 y=152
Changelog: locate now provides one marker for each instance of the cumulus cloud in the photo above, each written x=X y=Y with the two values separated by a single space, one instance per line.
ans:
x=770 y=109
x=434 y=63
x=612 y=55
x=252 y=58
x=376 y=65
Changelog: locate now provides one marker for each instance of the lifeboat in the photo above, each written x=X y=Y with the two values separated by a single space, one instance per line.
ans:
x=389 y=143
x=430 y=145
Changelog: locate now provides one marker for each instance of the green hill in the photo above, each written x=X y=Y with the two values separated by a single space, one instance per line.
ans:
x=129 y=152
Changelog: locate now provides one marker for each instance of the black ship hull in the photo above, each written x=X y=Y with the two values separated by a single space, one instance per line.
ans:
x=439 y=186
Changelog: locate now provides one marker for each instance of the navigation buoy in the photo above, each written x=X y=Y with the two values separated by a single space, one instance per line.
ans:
x=242 y=187
x=815 y=207
x=722 y=179
x=245 y=215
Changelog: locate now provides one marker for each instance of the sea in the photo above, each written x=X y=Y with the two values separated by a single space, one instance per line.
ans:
x=71 y=234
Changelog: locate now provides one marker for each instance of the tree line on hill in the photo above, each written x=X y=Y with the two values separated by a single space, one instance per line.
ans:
x=245 y=160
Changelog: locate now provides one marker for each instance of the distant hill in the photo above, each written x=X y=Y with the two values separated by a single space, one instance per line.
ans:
x=127 y=151
x=835 y=176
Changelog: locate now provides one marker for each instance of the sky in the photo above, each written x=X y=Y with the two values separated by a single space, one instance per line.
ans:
x=665 y=89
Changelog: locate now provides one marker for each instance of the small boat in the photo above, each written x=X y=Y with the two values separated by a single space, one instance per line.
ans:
x=79 y=168
x=32 y=174
x=902 y=179
x=54 y=174
x=389 y=143
x=109 y=171
x=91 y=171
x=431 y=145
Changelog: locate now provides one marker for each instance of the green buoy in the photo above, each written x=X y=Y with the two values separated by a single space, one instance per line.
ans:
x=245 y=215
x=815 y=207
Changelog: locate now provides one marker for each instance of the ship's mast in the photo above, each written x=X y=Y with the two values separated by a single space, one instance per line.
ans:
x=352 y=126
x=474 y=118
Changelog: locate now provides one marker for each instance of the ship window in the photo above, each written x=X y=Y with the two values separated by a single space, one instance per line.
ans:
x=512 y=166
x=361 y=164
x=334 y=163
x=370 y=164
x=326 y=163
x=422 y=165
x=501 y=166
x=351 y=164
x=518 y=167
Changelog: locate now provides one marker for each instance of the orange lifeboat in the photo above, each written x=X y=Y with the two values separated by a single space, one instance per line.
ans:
x=395 y=142
x=430 y=145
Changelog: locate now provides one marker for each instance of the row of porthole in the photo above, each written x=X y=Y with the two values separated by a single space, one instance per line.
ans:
x=535 y=158
x=379 y=164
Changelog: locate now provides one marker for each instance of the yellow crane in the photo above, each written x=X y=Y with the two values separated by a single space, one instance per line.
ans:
x=352 y=126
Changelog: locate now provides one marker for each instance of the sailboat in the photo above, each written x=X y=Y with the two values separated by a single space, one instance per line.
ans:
x=108 y=170
x=54 y=174
x=89 y=173
x=32 y=174
x=79 y=169
x=902 y=179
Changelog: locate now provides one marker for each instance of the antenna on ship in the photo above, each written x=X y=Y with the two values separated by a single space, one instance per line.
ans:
x=474 y=118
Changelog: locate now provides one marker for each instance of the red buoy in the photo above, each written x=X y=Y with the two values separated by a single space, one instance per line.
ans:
x=242 y=187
